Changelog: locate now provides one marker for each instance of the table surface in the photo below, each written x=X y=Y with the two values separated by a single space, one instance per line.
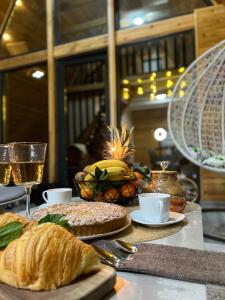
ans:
x=131 y=286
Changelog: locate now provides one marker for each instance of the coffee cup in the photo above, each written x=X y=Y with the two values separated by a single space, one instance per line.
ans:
x=154 y=207
x=59 y=195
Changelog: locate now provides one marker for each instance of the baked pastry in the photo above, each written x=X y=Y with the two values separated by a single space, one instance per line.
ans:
x=10 y=217
x=45 y=257
x=88 y=219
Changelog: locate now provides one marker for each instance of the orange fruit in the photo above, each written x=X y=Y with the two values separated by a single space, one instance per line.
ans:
x=138 y=175
x=128 y=190
x=86 y=192
x=100 y=197
x=111 y=195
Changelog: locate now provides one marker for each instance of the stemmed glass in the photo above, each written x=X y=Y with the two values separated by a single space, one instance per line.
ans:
x=5 y=167
x=27 y=161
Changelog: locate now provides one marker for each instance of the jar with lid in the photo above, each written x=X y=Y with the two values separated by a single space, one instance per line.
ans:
x=166 y=182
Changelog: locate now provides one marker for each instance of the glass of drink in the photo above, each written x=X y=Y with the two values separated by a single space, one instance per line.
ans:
x=5 y=167
x=27 y=161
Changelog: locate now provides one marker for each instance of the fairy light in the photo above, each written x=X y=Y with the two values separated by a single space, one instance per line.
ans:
x=181 y=70
x=169 y=83
x=125 y=81
x=181 y=93
x=152 y=96
x=168 y=74
x=169 y=93
x=183 y=84
x=140 y=90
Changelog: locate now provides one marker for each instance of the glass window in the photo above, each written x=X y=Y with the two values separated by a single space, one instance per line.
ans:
x=80 y=19
x=25 y=105
x=137 y=12
x=25 y=30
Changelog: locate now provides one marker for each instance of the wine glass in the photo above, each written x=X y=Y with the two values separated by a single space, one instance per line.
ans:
x=5 y=167
x=27 y=161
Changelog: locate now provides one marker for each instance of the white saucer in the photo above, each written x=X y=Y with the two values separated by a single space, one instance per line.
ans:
x=174 y=218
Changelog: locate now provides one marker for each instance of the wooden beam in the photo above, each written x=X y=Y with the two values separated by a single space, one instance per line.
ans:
x=7 y=17
x=81 y=46
x=23 y=60
x=156 y=29
x=112 y=63
x=85 y=87
x=52 y=176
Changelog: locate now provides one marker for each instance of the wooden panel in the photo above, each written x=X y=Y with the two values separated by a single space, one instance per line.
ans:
x=145 y=123
x=210 y=27
x=23 y=60
x=82 y=46
x=95 y=286
x=112 y=63
x=156 y=29
x=51 y=93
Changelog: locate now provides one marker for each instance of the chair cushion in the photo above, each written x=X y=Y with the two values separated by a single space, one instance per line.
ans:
x=10 y=193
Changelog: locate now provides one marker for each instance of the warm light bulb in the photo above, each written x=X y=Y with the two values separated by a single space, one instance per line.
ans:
x=181 y=70
x=139 y=80
x=154 y=74
x=181 y=93
x=169 y=83
x=183 y=84
x=125 y=89
x=168 y=74
x=140 y=90
x=126 y=96
x=152 y=79
x=6 y=37
x=19 y=3
x=153 y=88
x=125 y=81
x=169 y=93
x=152 y=96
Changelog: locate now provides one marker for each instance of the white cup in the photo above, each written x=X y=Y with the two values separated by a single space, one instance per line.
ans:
x=154 y=207
x=60 y=195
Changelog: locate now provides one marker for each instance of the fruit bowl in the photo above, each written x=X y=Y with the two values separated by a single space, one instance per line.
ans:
x=121 y=192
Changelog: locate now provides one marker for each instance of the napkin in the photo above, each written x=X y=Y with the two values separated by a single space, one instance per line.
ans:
x=179 y=263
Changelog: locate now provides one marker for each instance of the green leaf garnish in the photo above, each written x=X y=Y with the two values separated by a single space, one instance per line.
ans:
x=10 y=232
x=56 y=219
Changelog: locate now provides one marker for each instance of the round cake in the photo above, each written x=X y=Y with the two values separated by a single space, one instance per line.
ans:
x=88 y=219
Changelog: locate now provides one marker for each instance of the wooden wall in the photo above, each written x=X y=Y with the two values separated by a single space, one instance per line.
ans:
x=210 y=29
x=145 y=123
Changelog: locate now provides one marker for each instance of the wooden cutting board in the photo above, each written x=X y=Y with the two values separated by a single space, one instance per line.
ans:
x=92 y=287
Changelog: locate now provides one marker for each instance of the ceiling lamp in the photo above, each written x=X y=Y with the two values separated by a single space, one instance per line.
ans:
x=38 y=74
x=138 y=21
x=6 y=37
x=160 y=134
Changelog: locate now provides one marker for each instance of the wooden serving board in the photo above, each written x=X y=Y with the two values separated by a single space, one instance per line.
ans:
x=92 y=287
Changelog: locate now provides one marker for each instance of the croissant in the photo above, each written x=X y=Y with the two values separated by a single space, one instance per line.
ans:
x=10 y=217
x=46 y=257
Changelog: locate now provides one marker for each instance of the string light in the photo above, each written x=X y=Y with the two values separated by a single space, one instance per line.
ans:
x=6 y=37
x=169 y=83
x=168 y=74
x=125 y=89
x=139 y=80
x=125 y=81
x=126 y=94
x=181 y=93
x=140 y=90
x=154 y=74
x=169 y=93
x=152 y=96
x=183 y=84
x=181 y=70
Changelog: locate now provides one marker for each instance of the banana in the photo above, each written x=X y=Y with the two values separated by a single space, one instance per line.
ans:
x=88 y=177
x=104 y=164
x=113 y=171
